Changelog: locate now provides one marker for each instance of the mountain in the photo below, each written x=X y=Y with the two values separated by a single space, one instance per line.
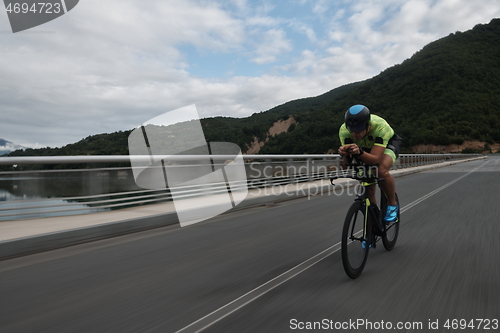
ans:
x=8 y=147
x=100 y=144
x=446 y=94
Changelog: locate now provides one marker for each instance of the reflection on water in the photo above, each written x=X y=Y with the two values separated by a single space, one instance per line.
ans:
x=59 y=193
x=12 y=208
x=67 y=183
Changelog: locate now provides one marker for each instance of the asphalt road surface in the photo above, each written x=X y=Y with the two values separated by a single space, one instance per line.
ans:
x=278 y=269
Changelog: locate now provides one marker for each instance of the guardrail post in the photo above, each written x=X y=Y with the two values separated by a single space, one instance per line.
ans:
x=269 y=180
x=310 y=169
x=327 y=167
x=289 y=164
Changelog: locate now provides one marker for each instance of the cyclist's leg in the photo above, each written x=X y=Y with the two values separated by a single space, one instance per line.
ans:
x=371 y=193
x=388 y=185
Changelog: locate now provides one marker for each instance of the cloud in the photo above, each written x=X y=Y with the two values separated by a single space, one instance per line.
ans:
x=266 y=21
x=110 y=65
x=386 y=32
x=320 y=6
x=305 y=29
x=102 y=74
x=273 y=43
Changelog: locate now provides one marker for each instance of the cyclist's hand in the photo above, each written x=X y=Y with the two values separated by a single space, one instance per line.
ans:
x=344 y=150
x=354 y=149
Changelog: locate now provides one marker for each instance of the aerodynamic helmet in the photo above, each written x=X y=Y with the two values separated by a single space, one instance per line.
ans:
x=357 y=118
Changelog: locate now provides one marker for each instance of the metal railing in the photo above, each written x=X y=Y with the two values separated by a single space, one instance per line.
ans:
x=79 y=191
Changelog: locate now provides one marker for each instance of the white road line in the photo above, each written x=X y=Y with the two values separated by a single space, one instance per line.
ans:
x=427 y=196
x=241 y=301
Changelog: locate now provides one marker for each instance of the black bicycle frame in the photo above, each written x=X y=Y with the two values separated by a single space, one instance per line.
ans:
x=368 y=175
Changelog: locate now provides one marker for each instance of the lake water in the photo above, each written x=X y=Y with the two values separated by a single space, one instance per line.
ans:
x=41 y=194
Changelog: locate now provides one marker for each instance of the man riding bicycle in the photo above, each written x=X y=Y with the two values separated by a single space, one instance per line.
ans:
x=373 y=141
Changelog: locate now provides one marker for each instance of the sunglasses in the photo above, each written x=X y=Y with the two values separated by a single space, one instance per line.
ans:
x=357 y=129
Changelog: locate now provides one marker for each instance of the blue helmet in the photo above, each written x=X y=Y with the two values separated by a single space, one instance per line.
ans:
x=357 y=118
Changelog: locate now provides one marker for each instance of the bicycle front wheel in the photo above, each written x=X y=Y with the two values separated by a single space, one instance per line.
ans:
x=355 y=240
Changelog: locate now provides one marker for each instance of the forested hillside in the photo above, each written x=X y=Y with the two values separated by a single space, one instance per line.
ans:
x=444 y=94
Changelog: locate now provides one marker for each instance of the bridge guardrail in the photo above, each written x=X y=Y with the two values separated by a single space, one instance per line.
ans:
x=262 y=171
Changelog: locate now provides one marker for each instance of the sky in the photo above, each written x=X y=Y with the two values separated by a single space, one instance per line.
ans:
x=111 y=65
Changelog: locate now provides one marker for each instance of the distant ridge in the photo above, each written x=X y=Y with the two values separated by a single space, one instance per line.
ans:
x=7 y=147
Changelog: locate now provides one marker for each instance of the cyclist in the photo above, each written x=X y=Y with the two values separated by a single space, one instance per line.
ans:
x=373 y=140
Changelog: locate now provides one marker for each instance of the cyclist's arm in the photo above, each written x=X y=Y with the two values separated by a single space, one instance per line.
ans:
x=345 y=145
x=374 y=156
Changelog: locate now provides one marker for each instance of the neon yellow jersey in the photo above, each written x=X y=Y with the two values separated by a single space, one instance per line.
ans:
x=379 y=134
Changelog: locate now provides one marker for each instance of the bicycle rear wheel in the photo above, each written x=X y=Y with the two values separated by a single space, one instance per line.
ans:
x=354 y=254
x=391 y=229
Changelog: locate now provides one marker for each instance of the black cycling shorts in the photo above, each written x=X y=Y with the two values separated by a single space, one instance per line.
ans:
x=394 y=144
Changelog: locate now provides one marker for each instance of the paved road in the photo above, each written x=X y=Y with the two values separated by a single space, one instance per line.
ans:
x=445 y=266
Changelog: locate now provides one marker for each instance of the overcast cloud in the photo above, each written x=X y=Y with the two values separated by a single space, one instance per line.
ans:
x=111 y=65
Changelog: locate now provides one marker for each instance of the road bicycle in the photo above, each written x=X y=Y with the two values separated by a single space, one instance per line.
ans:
x=364 y=225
